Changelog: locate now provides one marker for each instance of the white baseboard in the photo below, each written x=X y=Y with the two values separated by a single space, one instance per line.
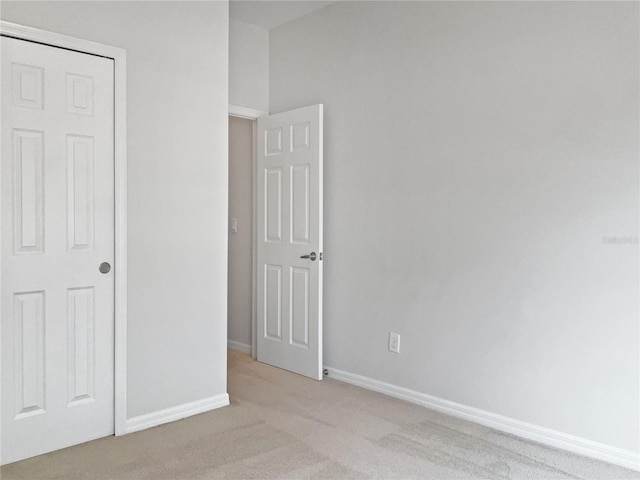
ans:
x=239 y=347
x=172 y=414
x=546 y=436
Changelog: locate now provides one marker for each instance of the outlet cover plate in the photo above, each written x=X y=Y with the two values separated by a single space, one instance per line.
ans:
x=394 y=342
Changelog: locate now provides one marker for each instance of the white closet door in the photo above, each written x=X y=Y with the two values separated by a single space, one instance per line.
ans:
x=57 y=207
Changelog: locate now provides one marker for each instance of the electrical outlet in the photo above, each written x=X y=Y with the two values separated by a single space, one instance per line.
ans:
x=394 y=342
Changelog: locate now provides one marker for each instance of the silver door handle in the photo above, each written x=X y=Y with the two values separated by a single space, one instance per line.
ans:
x=104 y=267
x=311 y=256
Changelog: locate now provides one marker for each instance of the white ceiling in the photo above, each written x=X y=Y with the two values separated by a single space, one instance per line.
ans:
x=269 y=13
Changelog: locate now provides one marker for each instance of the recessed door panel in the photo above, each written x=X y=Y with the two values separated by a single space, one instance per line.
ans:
x=299 y=310
x=299 y=135
x=27 y=86
x=81 y=192
x=81 y=345
x=273 y=302
x=273 y=205
x=273 y=141
x=299 y=204
x=79 y=94
x=29 y=367
x=28 y=201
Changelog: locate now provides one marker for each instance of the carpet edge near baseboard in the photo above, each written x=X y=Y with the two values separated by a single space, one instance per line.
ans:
x=529 y=431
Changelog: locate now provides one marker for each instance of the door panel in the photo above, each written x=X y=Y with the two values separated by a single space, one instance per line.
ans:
x=80 y=192
x=28 y=198
x=29 y=354
x=80 y=344
x=299 y=214
x=290 y=227
x=57 y=309
x=273 y=205
x=299 y=309
x=273 y=301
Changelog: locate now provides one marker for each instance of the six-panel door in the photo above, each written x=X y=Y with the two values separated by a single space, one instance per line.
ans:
x=57 y=209
x=289 y=228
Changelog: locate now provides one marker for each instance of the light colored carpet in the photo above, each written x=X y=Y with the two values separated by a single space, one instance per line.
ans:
x=281 y=425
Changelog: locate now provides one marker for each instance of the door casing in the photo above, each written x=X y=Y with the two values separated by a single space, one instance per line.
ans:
x=118 y=55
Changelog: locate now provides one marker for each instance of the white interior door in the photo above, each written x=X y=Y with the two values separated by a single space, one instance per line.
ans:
x=289 y=240
x=57 y=205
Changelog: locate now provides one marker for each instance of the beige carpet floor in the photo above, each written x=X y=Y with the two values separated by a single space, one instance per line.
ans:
x=281 y=425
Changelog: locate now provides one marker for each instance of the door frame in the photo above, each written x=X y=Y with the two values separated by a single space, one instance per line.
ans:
x=252 y=114
x=118 y=55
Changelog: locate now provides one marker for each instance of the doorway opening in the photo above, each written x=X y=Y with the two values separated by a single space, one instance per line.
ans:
x=275 y=238
x=241 y=255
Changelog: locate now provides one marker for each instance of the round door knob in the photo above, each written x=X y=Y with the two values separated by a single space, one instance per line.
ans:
x=105 y=267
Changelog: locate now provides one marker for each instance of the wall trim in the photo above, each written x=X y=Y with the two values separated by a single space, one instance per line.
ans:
x=546 y=436
x=142 y=422
x=245 y=112
x=119 y=57
x=238 y=346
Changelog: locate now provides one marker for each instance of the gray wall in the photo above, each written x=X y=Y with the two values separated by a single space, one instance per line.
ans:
x=248 y=65
x=240 y=243
x=177 y=99
x=476 y=154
